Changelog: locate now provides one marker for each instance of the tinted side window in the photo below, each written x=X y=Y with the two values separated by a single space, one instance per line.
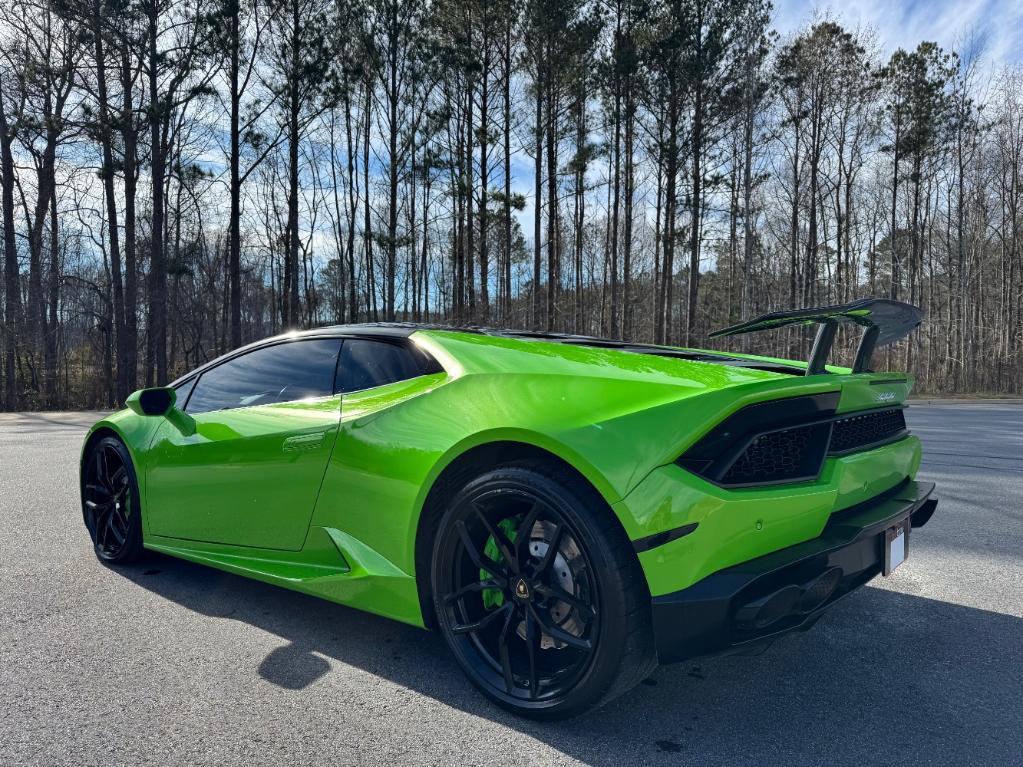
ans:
x=281 y=373
x=365 y=364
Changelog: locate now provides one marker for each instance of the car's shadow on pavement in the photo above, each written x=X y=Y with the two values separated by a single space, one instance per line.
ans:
x=886 y=678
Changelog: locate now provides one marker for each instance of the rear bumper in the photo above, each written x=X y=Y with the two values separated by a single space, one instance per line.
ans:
x=787 y=590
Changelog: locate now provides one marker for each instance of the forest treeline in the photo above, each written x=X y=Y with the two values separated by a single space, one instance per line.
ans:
x=182 y=176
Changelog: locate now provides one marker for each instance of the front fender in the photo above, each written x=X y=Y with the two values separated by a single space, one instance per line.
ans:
x=136 y=432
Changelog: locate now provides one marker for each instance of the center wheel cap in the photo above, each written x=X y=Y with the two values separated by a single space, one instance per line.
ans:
x=522 y=589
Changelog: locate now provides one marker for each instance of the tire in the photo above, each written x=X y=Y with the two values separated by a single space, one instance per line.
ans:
x=513 y=545
x=110 y=502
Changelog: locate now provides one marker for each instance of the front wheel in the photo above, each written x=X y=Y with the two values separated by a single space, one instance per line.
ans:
x=539 y=595
x=110 y=502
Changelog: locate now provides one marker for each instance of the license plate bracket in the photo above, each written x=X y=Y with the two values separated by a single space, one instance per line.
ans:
x=896 y=546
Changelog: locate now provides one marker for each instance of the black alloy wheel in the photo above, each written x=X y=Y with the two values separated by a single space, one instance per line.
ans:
x=110 y=502
x=519 y=579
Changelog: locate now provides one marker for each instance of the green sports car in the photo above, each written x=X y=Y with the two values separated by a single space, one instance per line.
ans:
x=566 y=511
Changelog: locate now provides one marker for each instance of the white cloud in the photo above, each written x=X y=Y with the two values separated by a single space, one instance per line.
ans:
x=905 y=23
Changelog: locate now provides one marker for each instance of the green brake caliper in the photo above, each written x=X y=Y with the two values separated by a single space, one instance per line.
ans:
x=494 y=598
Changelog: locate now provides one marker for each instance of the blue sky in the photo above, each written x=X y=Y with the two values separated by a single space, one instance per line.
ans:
x=904 y=23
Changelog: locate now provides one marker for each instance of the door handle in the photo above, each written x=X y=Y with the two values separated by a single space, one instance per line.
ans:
x=303 y=442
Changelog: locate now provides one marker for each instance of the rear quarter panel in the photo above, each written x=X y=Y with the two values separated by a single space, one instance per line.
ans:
x=395 y=441
x=613 y=416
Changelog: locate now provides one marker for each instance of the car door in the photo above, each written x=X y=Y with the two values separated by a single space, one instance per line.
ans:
x=266 y=422
x=368 y=485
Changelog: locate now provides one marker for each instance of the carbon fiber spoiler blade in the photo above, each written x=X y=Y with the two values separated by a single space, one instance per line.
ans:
x=884 y=321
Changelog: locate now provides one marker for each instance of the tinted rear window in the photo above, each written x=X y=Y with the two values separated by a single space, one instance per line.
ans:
x=366 y=364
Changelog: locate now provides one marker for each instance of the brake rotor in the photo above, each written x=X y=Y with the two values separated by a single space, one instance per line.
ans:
x=563 y=614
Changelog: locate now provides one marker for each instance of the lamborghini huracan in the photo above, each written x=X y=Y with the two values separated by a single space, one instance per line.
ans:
x=566 y=511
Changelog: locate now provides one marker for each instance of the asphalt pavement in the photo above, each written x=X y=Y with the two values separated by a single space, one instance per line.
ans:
x=173 y=663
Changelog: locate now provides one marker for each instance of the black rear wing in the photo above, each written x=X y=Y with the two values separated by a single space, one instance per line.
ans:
x=883 y=321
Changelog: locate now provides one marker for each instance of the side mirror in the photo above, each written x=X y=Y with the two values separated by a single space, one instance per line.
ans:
x=158 y=401
x=161 y=401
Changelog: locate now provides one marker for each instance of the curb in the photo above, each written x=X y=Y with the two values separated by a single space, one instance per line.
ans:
x=964 y=401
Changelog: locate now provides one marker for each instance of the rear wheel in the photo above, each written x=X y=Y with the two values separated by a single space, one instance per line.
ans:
x=110 y=502
x=539 y=595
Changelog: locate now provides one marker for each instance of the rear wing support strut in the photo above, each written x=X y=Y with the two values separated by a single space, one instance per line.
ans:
x=822 y=344
x=866 y=349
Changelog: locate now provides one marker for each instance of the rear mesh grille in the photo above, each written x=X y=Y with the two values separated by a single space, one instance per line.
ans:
x=787 y=440
x=779 y=456
x=770 y=457
x=866 y=429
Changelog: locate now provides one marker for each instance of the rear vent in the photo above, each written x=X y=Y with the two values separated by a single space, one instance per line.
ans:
x=787 y=440
x=774 y=457
x=860 y=431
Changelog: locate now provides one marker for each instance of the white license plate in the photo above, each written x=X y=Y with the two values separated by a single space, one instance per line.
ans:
x=896 y=546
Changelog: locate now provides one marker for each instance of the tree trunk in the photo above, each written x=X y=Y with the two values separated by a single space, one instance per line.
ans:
x=696 y=215
x=553 y=267
x=484 y=264
x=156 y=335
x=506 y=85
x=794 y=220
x=129 y=141
x=630 y=191
x=109 y=195
x=52 y=327
x=392 y=175
x=469 y=221
x=537 y=204
x=894 y=294
x=367 y=234
x=12 y=276
x=616 y=195
x=290 y=315
x=353 y=308
x=234 y=250
x=746 y=307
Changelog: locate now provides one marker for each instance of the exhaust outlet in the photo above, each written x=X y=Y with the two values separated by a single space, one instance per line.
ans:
x=820 y=589
x=762 y=612
x=793 y=599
